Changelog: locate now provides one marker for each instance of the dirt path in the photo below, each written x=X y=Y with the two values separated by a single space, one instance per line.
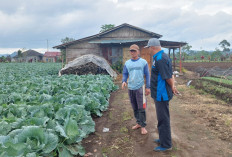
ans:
x=201 y=127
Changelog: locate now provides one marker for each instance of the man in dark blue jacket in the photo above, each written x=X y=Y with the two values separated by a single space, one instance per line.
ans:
x=162 y=90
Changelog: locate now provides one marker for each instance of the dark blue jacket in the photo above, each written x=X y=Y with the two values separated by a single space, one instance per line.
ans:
x=161 y=70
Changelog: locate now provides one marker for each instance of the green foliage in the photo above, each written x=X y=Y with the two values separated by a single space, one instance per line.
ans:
x=20 y=53
x=186 y=48
x=30 y=139
x=195 y=55
x=118 y=66
x=47 y=113
x=218 y=90
x=219 y=80
x=106 y=27
x=225 y=45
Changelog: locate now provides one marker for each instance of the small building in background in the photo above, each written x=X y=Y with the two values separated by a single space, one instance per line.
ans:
x=52 y=57
x=113 y=44
x=28 y=56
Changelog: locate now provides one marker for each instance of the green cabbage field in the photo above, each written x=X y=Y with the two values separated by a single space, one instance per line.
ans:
x=42 y=114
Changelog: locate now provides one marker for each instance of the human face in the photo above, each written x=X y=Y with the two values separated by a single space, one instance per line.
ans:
x=134 y=54
x=152 y=50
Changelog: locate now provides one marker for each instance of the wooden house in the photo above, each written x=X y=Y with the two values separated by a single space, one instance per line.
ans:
x=52 y=57
x=29 y=56
x=114 y=44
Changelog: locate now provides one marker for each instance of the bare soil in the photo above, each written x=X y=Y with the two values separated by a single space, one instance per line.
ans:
x=194 y=65
x=201 y=127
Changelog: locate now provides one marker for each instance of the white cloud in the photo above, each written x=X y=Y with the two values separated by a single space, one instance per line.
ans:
x=30 y=23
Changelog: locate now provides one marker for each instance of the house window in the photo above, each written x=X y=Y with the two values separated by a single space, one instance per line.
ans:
x=116 y=54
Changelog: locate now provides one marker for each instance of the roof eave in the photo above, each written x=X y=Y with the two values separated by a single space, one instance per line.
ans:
x=63 y=46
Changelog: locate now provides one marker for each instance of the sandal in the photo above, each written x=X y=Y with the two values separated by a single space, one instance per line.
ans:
x=136 y=127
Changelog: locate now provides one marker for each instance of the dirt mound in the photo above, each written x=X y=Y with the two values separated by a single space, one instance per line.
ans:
x=88 y=64
x=89 y=68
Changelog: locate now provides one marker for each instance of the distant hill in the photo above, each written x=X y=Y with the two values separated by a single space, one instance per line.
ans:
x=4 y=55
x=14 y=54
x=11 y=55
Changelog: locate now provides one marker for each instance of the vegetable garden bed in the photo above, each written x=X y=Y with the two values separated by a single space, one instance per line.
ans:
x=221 y=88
x=46 y=115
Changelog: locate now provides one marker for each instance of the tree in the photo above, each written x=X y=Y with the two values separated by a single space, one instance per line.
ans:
x=2 y=59
x=186 y=48
x=63 y=51
x=225 y=45
x=216 y=54
x=105 y=27
x=8 y=58
x=67 y=40
x=20 y=53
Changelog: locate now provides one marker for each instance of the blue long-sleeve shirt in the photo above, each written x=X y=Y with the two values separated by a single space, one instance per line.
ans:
x=136 y=69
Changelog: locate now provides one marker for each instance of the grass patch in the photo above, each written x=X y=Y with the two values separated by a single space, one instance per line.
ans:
x=123 y=129
x=228 y=122
x=126 y=139
x=126 y=116
x=184 y=70
x=175 y=148
x=110 y=116
x=105 y=150
x=181 y=89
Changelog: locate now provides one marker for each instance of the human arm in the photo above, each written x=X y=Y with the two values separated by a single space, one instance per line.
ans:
x=147 y=75
x=124 y=76
x=171 y=83
x=165 y=67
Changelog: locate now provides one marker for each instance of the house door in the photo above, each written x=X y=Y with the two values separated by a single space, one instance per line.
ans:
x=144 y=53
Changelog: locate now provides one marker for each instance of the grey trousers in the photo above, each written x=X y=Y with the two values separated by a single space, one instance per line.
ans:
x=163 y=117
x=136 y=99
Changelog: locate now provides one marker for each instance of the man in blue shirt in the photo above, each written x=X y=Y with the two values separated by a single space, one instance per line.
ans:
x=162 y=90
x=136 y=68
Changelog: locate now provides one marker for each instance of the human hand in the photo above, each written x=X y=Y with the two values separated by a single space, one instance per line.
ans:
x=147 y=91
x=124 y=84
x=175 y=91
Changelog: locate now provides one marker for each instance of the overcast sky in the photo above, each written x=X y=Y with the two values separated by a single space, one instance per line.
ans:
x=31 y=24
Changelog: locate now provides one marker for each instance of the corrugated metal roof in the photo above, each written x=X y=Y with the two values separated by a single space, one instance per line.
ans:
x=117 y=41
x=52 y=54
x=164 y=43
x=152 y=35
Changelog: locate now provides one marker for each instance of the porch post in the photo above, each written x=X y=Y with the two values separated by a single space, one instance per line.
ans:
x=174 y=63
x=180 y=60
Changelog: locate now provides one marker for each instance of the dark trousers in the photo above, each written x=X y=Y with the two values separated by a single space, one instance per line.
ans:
x=163 y=117
x=136 y=99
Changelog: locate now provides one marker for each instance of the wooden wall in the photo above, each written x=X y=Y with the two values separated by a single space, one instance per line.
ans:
x=126 y=32
x=126 y=54
x=108 y=51
x=82 y=48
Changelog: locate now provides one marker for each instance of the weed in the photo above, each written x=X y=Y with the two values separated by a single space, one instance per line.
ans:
x=191 y=87
x=110 y=116
x=104 y=155
x=175 y=148
x=126 y=139
x=184 y=70
x=227 y=122
x=124 y=130
x=126 y=116
x=105 y=150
